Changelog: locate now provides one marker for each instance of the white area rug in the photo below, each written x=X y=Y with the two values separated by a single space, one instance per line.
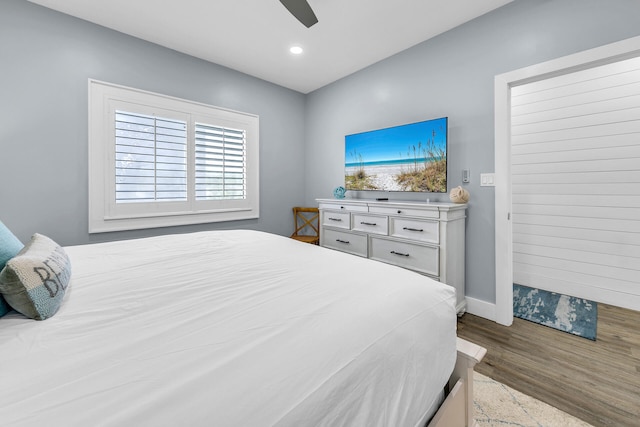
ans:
x=499 y=405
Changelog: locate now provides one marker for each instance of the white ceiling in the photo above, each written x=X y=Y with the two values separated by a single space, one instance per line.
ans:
x=254 y=36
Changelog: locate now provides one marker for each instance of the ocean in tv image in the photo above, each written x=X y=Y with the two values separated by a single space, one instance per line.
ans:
x=411 y=157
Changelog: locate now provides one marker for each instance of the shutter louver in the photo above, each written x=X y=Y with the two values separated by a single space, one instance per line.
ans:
x=220 y=166
x=151 y=158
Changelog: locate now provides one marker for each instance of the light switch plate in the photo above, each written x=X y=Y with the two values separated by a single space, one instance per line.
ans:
x=487 y=180
x=466 y=175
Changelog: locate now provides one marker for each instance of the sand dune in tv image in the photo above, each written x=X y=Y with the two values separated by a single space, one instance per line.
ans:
x=426 y=175
x=373 y=178
x=404 y=158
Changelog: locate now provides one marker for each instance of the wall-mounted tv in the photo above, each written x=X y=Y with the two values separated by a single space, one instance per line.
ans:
x=410 y=157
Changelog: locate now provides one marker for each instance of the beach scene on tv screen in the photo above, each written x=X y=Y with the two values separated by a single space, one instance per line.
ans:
x=410 y=157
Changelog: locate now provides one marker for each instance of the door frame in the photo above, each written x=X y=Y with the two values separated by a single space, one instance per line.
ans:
x=625 y=49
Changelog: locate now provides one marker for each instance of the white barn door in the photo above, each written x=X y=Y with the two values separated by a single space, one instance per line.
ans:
x=575 y=183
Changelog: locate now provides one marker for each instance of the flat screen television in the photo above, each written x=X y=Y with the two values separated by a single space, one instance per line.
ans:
x=410 y=157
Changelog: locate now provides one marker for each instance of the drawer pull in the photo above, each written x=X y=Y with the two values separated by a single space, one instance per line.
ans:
x=399 y=253
x=368 y=223
x=413 y=229
x=399 y=211
x=342 y=241
x=335 y=219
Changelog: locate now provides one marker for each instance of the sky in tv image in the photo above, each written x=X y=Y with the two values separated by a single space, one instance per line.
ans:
x=409 y=157
x=394 y=144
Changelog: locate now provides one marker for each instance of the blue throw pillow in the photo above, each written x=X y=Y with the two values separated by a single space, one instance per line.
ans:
x=34 y=281
x=4 y=307
x=9 y=247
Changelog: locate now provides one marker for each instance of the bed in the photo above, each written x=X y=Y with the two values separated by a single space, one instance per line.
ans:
x=237 y=328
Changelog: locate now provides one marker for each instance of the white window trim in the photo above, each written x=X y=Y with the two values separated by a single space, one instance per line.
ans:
x=103 y=99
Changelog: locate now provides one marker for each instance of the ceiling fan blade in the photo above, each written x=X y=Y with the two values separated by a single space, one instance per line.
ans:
x=301 y=10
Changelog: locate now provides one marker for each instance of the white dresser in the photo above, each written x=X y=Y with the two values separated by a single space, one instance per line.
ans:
x=425 y=237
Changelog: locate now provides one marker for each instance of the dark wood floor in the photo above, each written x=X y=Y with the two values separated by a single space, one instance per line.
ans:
x=598 y=382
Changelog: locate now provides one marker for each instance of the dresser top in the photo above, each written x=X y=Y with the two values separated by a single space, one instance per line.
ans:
x=395 y=203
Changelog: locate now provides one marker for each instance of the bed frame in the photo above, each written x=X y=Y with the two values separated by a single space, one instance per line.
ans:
x=457 y=408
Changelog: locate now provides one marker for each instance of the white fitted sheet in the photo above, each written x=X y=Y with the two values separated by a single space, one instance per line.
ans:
x=230 y=328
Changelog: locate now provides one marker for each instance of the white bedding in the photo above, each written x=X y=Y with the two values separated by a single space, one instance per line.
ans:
x=230 y=328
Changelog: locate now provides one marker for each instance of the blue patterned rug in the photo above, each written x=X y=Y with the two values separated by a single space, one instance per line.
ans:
x=575 y=316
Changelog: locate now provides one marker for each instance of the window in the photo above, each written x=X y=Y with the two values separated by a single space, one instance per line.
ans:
x=151 y=158
x=220 y=160
x=157 y=161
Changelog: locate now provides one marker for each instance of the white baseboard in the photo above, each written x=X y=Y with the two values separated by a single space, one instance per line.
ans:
x=481 y=308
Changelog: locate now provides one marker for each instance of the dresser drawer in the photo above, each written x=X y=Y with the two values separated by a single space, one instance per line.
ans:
x=336 y=219
x=350 y=207
x=401 y=211
x=344 y=241
x=422 y=258
x=414 y=229
x=370 y=224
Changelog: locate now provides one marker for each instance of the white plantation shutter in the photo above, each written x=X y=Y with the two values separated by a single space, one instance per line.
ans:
x=220 y=165
x=157 y=161
x=151 y=158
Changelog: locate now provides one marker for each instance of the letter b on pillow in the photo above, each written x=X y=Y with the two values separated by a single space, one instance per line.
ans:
x=34 y=282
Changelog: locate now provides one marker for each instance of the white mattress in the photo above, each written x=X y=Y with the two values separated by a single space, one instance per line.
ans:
x=230 y=328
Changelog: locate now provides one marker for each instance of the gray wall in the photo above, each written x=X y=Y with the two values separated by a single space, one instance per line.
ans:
x=452 y=75
x=46 y=59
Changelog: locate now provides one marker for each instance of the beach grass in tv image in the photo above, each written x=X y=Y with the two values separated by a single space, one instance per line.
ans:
x=411 y=157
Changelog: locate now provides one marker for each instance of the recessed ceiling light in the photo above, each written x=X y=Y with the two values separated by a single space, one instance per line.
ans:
x=296 y=50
